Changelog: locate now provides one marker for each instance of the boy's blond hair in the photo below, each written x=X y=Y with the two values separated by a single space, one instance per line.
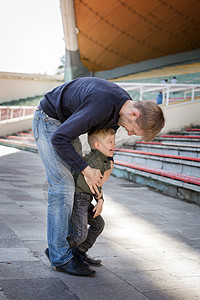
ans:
x=97 y=134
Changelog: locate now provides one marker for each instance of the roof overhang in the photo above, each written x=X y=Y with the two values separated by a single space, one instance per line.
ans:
x=116 y=33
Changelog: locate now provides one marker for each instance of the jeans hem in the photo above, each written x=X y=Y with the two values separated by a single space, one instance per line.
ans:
x=60 y=265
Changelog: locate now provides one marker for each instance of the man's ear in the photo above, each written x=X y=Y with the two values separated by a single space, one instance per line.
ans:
x=135 y=114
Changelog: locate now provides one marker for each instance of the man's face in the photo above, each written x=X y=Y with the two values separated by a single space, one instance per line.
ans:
x=133 y=129
x=130 y=124
x=107 y=145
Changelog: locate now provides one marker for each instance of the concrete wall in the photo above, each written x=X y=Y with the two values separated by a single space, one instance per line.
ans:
x=15 y=125
x=181 y=115
x=15 y=86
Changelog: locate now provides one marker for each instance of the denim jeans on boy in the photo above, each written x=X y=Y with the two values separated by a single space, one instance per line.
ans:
x=82 y=215
x=61 y=189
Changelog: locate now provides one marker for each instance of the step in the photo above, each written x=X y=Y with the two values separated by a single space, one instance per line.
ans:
x=175 y=163
x=179 y=139
x=195 y=127
x=167 y=182
x=25 y=133
x=185 y=133
x=19 y=145
x=193 y=130
x=171 y=149
x=28 y=138
x=180 y=136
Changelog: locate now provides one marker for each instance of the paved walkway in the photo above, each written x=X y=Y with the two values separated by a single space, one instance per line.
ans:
x=150 y=247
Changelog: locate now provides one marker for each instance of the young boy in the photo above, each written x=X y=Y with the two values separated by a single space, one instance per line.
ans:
x=102 y=144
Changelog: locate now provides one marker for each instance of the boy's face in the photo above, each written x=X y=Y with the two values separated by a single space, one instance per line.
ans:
x=106 y=144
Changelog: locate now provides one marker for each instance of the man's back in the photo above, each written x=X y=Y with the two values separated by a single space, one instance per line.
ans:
x=65 y=99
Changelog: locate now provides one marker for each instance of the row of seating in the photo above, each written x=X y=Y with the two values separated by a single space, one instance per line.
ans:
x=170 y=164
x=22 y=141
x=171 y=167
x=187 y=73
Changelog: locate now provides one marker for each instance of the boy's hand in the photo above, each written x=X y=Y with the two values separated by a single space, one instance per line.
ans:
x=98 y=208
x=92 y=178
x=99 y=196
x=106 y=174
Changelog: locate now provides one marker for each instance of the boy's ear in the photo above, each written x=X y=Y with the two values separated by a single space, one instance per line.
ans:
x=96 y=145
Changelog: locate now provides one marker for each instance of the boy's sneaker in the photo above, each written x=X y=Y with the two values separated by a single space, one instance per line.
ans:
x=84 y=258
x=92 y=261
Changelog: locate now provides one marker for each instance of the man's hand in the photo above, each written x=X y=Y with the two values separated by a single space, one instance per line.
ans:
x=98 y=208
x=92 y=178
x=107 y=174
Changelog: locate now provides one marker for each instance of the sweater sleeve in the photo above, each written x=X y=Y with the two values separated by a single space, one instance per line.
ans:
x=87 y=116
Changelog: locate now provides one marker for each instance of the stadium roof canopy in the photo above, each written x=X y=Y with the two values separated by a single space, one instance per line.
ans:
x=115 y=33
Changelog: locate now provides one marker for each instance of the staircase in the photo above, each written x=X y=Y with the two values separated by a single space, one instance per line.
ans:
x=21 y=140
x=170 y=164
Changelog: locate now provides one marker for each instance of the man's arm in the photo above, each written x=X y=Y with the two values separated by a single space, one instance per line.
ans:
x=95 y=167
x=92 y=178
x=84 y=119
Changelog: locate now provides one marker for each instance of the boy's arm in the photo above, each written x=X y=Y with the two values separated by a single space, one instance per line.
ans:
x=98 y=208
x=100 y=196
x=103 y=180
x=107 y=174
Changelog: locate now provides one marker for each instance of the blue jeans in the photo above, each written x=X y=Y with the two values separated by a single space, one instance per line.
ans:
x=60 y=192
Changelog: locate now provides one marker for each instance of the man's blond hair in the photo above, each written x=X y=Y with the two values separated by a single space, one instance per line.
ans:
x=151 y=119
x=94 y=136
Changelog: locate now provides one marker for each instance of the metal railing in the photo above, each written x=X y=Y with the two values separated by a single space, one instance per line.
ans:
x=169 y=90
x=8 y=113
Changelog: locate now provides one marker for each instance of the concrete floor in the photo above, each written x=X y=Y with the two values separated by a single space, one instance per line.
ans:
x=150 y=248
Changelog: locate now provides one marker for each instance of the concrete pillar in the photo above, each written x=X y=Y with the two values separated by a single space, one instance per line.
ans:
x=73 y=65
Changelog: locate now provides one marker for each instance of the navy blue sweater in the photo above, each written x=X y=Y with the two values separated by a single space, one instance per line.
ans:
x=82 y=105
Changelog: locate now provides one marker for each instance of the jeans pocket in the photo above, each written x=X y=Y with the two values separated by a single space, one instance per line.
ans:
x=51 y=125
x=35 y=128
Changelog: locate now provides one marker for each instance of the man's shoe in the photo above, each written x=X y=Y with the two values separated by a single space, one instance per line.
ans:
x=73 y=267
x=47 y=253
x=84 y=258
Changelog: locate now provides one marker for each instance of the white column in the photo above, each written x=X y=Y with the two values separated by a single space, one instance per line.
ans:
x=73 y=65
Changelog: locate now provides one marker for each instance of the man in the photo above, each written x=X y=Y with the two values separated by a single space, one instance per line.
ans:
x=174 y=80
x=74 y=108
